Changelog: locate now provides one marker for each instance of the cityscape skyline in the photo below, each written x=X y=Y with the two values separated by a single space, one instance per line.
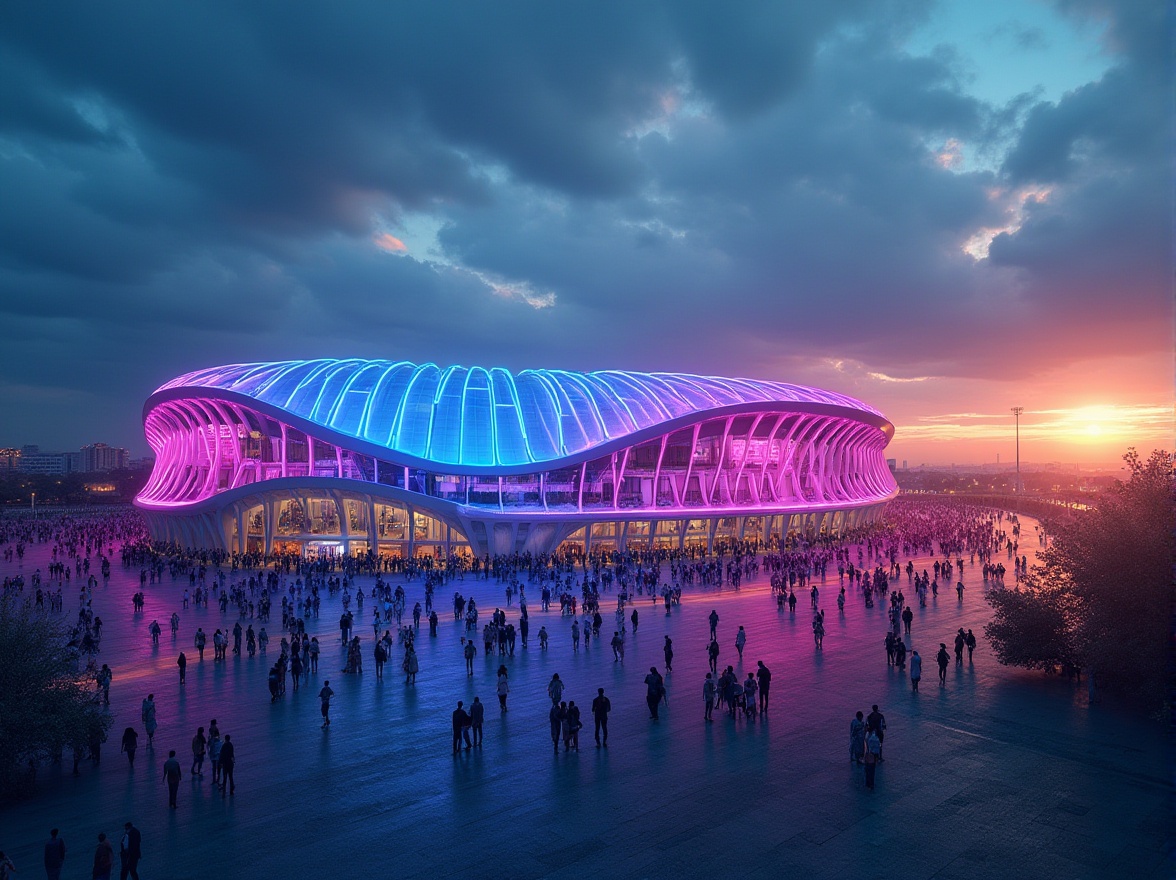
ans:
x=1097 y=437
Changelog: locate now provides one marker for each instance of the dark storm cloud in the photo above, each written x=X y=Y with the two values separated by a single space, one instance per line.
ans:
x=654 y=185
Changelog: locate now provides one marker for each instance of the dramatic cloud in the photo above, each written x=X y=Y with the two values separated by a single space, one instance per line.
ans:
x=790 y=191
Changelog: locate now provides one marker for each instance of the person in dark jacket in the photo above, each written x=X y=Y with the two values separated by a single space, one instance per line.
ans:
x=130 y=851
x=54 y=855
x=228 y=760
x=461 y=727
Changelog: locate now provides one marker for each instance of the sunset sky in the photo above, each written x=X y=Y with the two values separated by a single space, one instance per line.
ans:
x=945 y=209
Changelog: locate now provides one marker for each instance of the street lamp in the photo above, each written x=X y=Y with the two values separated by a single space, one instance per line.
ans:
x=34 y=505
x=1017 y=410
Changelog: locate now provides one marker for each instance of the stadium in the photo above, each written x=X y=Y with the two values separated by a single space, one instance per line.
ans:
x=394 y=458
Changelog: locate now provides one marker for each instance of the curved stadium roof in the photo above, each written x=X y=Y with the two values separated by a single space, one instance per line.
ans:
x=486 y=417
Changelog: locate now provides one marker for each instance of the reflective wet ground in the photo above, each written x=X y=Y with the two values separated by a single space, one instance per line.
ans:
x=998 y=774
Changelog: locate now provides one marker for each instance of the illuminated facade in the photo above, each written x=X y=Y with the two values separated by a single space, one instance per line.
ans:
x=356 y=456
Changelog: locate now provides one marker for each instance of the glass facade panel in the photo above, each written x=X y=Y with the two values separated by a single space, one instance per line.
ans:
x=391 y=522
x=414 y=423
x=597 y=488
x=563 y=488
x=357 y=517
x=385 y=403
x=347 y=415
x=510 y=444
x=255 y=521
x=445 y=443
x=291 y=518
x=323 y=515
x=539 y=415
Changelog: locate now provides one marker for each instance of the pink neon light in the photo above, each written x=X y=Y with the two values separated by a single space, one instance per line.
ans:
x=205 y=446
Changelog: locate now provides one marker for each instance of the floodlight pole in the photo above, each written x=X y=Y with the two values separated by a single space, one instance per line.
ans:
x=1017 y=410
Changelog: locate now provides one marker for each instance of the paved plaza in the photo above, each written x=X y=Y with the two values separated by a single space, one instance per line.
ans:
x=999 y=774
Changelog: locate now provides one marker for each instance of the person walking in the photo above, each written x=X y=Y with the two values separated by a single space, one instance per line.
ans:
x=325 y=696
x=171 y=775
x=199 y=746
x=857 y=739
x=103 y=859
x=712 y=651
x=147 y=713
x=942 y=658
x=411 y=665
x=555 y=688
x=54 y=855
x=477 y=718
x=502 y=688
x=876 y=724
x=970 y=641
x=182 y=663
x=872 y=757
x=130 y=742
x=601 y=706
x=105 y=676
x=214 y=755
x=668 y=653
x=130 y=852
x=469 y=651
x=228 y=762
x=764 y=676
x=750 y=688
x=916 y=670
x=714 y=623
x=555 y=719
x=654 y=690
x=571 y=727
x=381 y=655
x=708 y=696
x=461 y=727
x=740 y=641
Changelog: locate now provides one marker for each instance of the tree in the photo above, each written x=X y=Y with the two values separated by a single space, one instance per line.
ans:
x=1101 y=597
x=1032 y=628
x=45 y=705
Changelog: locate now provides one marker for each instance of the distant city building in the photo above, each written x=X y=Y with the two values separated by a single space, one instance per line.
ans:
x=9 y=459
x=904 y=465
x=98 y=458
x=50 y=464
x=892 y=464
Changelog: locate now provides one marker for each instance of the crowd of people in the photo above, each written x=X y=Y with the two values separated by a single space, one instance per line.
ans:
x=249 y=590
